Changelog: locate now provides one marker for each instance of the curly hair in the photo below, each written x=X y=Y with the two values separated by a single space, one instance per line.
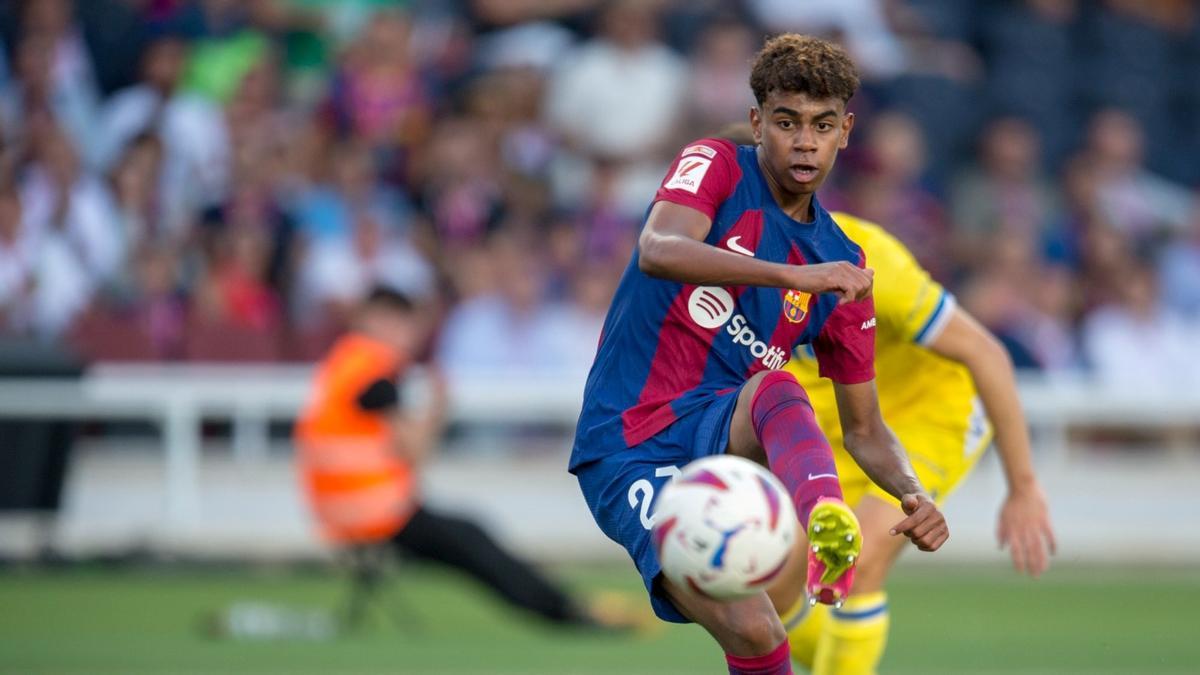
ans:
x=803 y=64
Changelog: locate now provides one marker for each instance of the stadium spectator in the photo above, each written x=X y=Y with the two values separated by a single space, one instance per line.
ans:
x=55 y=74
x=889 y=189
x=508 y=100
x=71 y=214
x=230 y=104
x=235 y=291
x=327 y=211
x=140 y=108
x=1005 y=193
x=1138 y=323
x=1046 y=328
x=720 y=67
x=525 y=334
x=619 y=97
x=155 y=307
x=377 y=95
x=460 y=185
x=336 y=271
x=135 y=182
x=1130 y=47
x=1029 y=47
x=1131 y=197
x=998 y=305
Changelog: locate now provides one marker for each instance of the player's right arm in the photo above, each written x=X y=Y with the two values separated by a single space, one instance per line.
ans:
x=672 y=247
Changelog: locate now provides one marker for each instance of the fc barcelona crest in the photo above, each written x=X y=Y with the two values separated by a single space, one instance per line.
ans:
x=795 y=305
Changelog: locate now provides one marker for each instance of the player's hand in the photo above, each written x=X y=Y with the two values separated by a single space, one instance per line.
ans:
x=848 y=281
x=1025 y=529
x=925 y=524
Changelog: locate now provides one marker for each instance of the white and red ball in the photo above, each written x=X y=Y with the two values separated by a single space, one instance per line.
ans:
x=724 y=527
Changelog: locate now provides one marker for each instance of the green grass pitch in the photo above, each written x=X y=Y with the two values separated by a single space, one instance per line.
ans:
x=967 y=620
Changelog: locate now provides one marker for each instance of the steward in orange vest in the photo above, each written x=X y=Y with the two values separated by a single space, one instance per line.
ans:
x=358 y=452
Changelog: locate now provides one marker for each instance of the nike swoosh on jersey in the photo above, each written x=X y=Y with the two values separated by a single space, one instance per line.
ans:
x=814 y=476
x=738 y=248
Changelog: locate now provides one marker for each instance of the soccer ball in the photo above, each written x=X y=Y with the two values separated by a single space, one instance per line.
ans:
x=724 y=528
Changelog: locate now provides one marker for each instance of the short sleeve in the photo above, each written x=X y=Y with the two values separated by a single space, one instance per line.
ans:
x=382 y=394
x=702 y=176
x=845 y=349
x=910 y=304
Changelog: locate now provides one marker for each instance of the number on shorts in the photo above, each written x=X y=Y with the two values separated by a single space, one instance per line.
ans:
x=641 y=493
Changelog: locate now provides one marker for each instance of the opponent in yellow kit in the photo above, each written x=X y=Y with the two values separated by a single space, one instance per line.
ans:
x=944 y=383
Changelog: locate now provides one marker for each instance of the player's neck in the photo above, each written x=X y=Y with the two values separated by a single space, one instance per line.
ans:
x=798 y=207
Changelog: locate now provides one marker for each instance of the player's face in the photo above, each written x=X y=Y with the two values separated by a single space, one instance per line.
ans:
x=800 y=138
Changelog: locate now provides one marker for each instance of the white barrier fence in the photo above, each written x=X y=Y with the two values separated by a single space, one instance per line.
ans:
x=180 y=398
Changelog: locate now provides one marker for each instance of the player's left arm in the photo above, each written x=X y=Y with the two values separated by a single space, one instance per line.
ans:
x=1024 y=524
x=845 y=350
x=877 y=450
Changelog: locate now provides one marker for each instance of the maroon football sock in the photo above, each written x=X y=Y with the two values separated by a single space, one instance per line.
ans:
x=797 y=450
x=778 y=662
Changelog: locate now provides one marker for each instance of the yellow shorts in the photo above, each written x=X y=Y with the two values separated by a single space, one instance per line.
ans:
x=941 y=455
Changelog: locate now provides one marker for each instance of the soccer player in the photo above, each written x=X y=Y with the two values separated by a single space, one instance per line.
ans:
x=359 y=451
x=737 y=265
x=944 y=383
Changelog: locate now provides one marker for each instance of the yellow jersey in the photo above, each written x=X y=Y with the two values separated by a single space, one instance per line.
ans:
x=928 y=401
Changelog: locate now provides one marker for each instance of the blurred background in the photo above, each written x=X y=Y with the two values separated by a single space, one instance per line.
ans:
x=194 y=194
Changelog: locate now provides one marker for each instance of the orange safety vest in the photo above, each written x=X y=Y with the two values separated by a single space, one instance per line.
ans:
x=358 y=488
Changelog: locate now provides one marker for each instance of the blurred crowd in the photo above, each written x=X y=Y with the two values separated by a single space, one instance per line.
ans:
x=222 y=179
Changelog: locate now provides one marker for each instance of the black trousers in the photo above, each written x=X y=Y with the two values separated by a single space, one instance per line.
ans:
x=464 y=545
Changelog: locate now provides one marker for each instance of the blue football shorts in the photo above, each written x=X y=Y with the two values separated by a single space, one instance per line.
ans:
x=620 y=489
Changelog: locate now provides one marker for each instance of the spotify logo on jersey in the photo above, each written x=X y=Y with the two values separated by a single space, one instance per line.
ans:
x=710 y=306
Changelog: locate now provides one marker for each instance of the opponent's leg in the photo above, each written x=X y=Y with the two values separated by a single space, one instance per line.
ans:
x=748 y=630
x=804 y=624
x=855 y=635
x=774 y=421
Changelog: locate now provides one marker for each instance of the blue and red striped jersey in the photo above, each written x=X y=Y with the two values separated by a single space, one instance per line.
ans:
x=668 y=348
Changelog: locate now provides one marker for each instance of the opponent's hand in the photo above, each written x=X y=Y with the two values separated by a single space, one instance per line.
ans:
x=850 y=282
x=1025 y=528
x=925 y=524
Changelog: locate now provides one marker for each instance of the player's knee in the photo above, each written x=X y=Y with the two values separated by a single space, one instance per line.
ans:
x=774 y=387
x=775 y=378
x=754 y=634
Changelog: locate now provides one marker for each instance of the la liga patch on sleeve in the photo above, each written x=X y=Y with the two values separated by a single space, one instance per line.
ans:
x=688 y=174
